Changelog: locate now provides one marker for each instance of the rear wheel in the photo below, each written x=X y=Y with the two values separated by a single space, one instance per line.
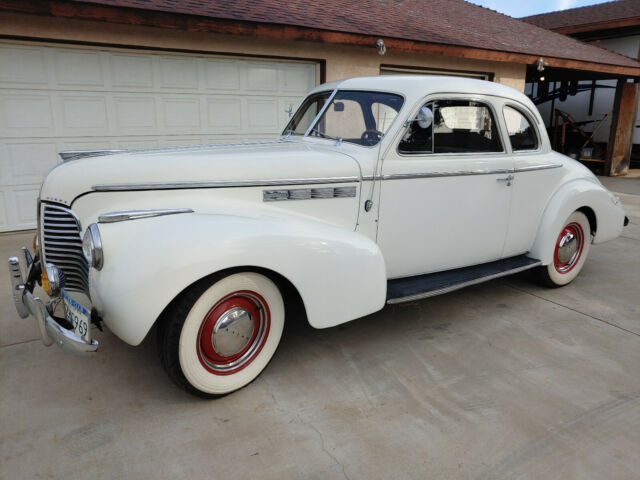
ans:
x=570 y=252
x=217 y=338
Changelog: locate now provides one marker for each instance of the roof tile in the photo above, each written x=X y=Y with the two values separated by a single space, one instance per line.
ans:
x=603 y=12
x=449 y=22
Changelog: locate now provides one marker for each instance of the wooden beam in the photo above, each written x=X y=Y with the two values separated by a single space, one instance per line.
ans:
x=192 y=23
x=621 y=133
x=589 y=27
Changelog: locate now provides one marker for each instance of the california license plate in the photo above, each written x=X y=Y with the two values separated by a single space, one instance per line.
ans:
x=77 y=316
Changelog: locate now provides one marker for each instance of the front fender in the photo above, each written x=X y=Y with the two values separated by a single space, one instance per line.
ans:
x=340 y=274
x=572 y=196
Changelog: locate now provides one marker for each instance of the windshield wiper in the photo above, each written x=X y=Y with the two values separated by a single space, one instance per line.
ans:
x=325 y=135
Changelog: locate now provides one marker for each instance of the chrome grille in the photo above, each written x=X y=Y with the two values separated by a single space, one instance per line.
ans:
x=62 y=246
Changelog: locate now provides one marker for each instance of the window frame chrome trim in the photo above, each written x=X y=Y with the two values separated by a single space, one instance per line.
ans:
x=484 y=99
x=321 y=112
x=534 y=124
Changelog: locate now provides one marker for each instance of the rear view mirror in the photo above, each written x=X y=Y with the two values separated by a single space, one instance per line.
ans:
x=424 y=117
x=338 y=107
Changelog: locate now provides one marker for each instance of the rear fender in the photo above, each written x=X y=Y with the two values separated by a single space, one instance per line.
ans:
x=575 y=195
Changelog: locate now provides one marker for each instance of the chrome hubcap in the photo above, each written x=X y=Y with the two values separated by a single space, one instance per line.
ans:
x=232 y=332
x=567 y=248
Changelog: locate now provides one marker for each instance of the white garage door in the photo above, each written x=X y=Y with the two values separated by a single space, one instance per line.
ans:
x=64 y=98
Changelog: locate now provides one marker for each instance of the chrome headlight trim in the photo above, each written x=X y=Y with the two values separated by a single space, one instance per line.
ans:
x=92 y=246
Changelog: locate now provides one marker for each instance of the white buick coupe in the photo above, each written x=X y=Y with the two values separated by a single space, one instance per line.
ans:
x=380 y=190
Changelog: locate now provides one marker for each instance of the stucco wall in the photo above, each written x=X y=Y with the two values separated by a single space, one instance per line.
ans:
x=340 y=61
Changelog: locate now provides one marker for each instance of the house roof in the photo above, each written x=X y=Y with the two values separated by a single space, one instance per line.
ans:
x=449 y=27
x=593 y=17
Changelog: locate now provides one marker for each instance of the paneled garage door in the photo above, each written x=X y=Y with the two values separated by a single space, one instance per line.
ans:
x=64 y=98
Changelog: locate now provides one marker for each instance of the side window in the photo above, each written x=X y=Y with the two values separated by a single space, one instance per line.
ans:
x=521 y=133
x=459 y=126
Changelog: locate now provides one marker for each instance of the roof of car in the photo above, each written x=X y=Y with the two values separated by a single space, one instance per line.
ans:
x=423 y=84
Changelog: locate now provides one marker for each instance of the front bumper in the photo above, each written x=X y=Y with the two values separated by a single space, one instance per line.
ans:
x=50 y=330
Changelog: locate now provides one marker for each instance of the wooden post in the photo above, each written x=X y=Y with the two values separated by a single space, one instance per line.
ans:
x=621 y=133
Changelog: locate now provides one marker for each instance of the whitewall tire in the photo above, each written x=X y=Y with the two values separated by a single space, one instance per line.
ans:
x=218 y=337
x=570 y=252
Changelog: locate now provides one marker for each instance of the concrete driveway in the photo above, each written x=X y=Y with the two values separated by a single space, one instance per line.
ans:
x=499 y=381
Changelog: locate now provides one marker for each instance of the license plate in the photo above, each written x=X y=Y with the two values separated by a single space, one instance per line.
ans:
x=76 y=315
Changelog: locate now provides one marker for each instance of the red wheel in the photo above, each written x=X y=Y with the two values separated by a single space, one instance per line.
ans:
x=570 y=252
x=233 y=332
x=217 y=339
x=569 y=248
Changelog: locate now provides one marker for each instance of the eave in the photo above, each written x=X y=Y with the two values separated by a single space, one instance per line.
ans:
x=167 y=20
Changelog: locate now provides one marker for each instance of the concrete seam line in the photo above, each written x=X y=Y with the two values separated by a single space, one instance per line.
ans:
x=19 y=343
x=574 y=310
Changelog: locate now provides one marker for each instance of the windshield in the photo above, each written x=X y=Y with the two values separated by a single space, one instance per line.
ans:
x=352 y=116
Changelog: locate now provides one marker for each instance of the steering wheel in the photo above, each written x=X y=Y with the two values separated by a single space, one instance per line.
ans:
x=371 y=136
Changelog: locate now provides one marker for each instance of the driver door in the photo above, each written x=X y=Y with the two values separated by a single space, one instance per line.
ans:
x=445 y=190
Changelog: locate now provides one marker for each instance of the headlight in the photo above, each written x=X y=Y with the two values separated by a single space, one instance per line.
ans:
x=92 y=246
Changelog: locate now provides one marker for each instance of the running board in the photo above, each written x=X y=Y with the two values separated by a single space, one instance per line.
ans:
x=422 y=286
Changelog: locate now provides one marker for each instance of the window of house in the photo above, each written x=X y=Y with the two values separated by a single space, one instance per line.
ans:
x=458 y=126
x=522 y=135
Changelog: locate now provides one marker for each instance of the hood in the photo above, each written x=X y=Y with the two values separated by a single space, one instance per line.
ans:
x=235 y=163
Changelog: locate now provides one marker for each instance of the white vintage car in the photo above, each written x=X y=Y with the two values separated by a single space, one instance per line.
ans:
x=380 y=190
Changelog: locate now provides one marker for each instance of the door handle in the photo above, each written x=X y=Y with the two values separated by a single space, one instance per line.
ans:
x=508 y=180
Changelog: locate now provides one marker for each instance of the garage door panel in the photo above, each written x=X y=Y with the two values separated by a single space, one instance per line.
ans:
x=25 y=205
x=136 y=143
x=181 y=114
x=131 y=71
x=5 y=224
x=262 y=77
x=135 y=114
x=82 y=115
x=296 y=79
x=26 y=115
x=286 y=105
x=178 y=72
x=78 y=68
x=224 y=114
x=67 y=98
x=184 y=141
x=26 y=163
x=262 y=115
x=27 y=66
x=222 y=75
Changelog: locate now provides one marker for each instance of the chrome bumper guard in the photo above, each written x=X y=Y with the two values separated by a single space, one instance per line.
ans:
x=50 y=330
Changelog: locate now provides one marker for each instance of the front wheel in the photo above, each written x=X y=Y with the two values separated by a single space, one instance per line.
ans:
x=217 y=338
x=570 y=252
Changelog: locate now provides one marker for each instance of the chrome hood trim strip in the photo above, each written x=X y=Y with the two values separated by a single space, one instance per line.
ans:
x=220 y=184
x=125 y=215
x=68 y=155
